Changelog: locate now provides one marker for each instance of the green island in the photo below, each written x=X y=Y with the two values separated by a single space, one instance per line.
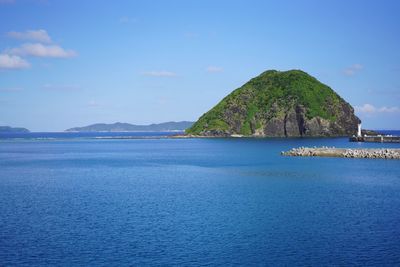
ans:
x=279 y=104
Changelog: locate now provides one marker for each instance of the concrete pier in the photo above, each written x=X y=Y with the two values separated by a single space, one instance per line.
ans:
x=371 y=153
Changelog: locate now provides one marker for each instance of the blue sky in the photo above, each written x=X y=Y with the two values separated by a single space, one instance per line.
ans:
x=74 y=63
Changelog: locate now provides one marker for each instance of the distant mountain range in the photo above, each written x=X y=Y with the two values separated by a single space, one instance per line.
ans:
x=126 y=127
x=8 y=129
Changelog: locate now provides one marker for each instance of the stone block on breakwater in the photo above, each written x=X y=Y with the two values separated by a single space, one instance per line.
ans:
x=371 y=153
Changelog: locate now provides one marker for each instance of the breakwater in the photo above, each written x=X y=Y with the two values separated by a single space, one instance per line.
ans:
x=376 y=138
x=371 y=153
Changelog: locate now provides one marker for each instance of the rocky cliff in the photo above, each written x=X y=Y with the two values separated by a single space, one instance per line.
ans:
x=279 y=104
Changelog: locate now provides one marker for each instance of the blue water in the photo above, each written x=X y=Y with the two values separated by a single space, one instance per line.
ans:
x=89 y=202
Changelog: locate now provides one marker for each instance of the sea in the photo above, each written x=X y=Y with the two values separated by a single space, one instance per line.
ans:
x=144 y=199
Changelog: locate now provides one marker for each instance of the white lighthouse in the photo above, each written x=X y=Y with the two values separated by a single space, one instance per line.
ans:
x=359 y=130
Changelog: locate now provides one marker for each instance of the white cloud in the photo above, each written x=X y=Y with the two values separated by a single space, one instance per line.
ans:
x=93 y=104
x=214 y=69
x=10 y=89
x=370 y=109
x=366 y=108
x=40 y=50
x=126 y=20
x=12 y=62
x=7 y=1
x=191 y=35
x=389 y=109
x=53 y=87
x=33 y=35
x=162 y=73
x=161 y=100
x=353 y=69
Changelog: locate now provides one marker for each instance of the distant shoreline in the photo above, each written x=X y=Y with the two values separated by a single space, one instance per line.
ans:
x=138 y=131
x=127 y=127
x=165 y=131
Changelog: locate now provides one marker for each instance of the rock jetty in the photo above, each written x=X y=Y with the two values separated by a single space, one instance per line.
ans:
x=370 y=153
